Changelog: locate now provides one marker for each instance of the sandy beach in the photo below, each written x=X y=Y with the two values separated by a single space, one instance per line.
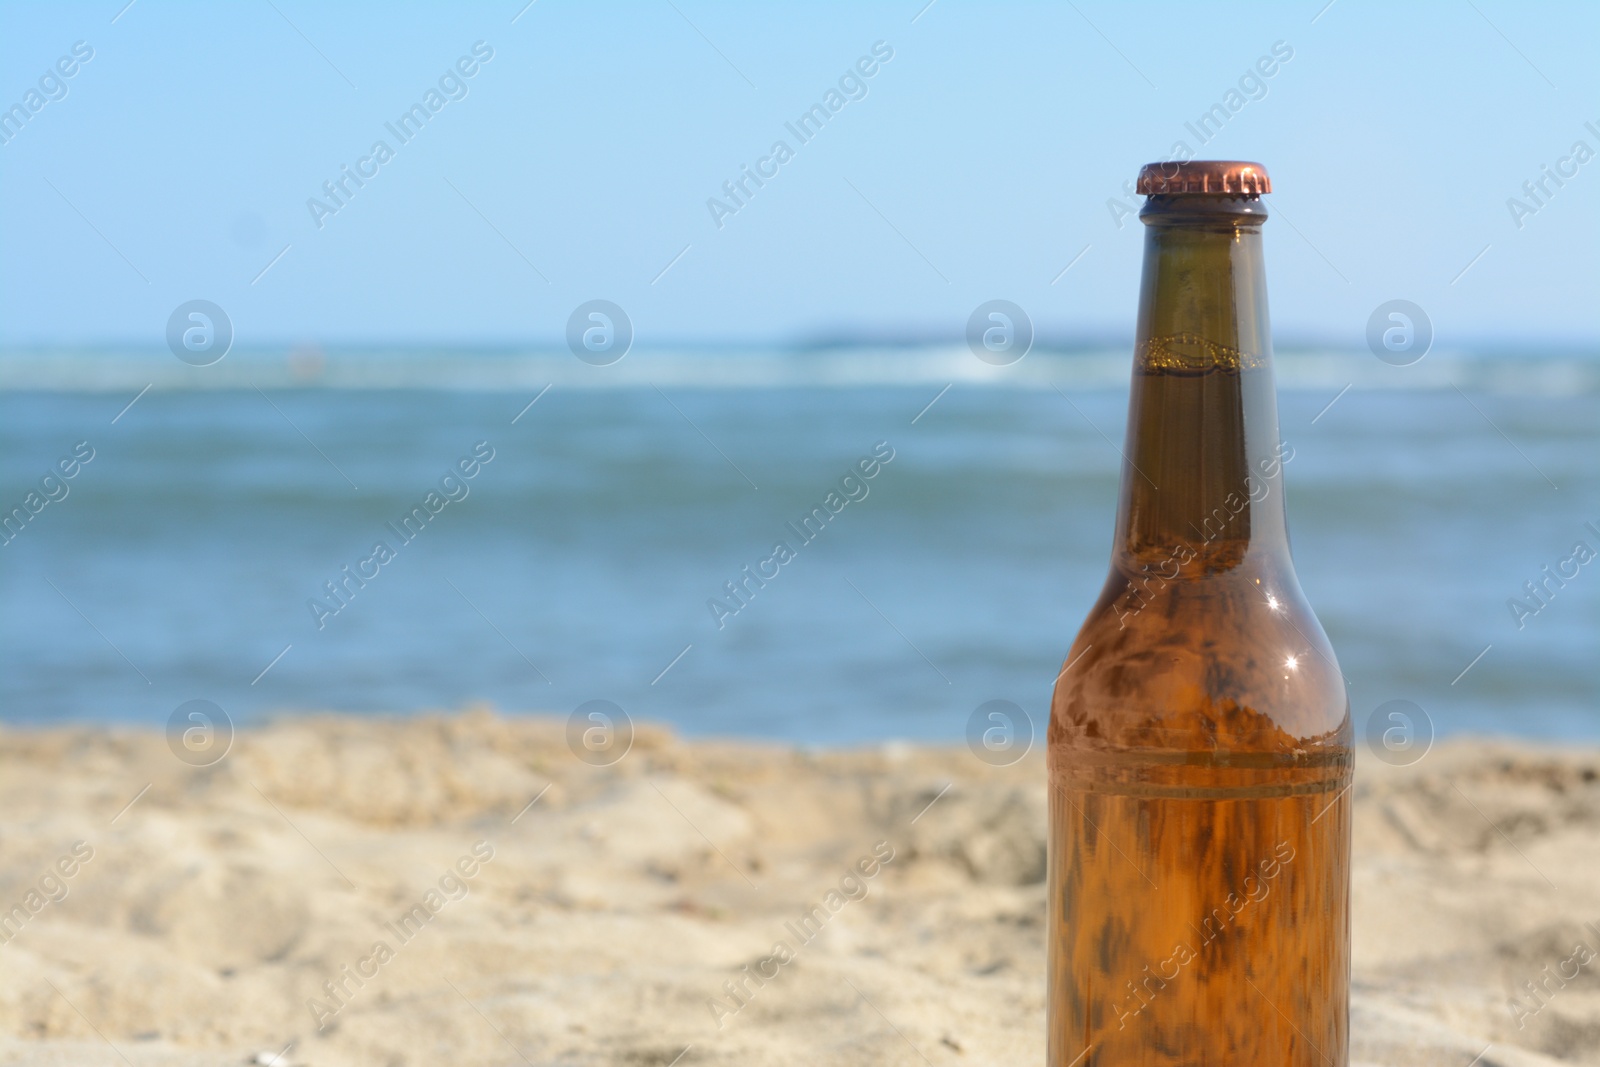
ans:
x=461 y=889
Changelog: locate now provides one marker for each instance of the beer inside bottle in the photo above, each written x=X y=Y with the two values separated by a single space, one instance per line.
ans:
x=1199 y=740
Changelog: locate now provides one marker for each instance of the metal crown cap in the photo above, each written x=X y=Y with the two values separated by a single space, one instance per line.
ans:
x=1227 y=176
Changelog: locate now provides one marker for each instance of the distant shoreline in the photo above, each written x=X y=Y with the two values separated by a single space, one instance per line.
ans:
x=832 y=365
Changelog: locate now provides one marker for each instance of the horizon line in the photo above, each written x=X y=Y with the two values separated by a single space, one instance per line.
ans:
x=844 y=341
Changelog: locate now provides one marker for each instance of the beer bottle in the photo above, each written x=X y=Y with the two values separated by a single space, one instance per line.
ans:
x=1200 y=739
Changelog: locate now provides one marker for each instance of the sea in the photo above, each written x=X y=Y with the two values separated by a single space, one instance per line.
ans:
x=376 y=531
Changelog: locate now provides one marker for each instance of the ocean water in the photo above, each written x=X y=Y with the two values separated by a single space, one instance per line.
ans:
x=581 y=560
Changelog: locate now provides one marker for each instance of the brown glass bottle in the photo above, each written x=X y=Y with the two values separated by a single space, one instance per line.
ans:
x=1199 y=741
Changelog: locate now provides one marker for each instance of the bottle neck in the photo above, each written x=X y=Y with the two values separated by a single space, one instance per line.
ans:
x=1202 y=483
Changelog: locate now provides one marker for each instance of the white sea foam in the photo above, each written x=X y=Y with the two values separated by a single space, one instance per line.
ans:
x=112 y=370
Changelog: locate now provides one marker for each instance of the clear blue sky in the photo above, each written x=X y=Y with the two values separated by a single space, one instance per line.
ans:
x=978 y=164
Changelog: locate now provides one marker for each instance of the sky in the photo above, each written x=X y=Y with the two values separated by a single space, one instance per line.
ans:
x=985 y=156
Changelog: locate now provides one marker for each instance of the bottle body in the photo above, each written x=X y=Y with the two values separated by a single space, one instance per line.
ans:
x=1199 y=744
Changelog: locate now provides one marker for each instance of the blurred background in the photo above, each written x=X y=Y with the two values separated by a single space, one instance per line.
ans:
x=272 y=271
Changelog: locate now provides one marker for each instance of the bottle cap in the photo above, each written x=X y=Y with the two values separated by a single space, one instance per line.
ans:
x=1227 y=176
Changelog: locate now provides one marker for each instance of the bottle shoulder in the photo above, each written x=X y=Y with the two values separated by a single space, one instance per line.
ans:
x=1232 y=662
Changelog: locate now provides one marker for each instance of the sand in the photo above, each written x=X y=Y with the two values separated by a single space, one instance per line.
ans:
x=200 y=923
